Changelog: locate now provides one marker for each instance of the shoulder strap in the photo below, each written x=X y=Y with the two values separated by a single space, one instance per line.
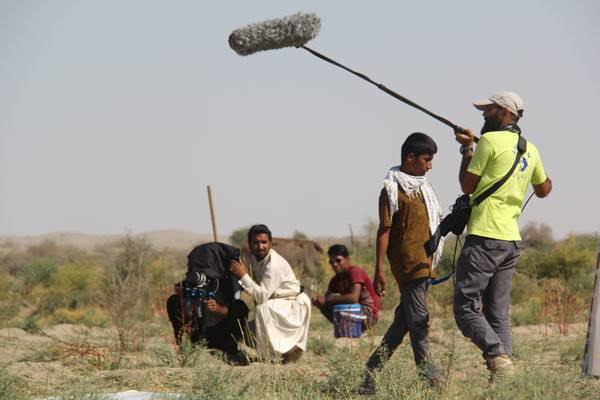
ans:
x=521 y=149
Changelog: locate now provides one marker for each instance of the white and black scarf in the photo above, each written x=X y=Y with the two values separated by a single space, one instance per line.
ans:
x=410 y=184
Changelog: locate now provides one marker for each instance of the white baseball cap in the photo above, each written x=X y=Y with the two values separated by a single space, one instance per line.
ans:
x=509 y=100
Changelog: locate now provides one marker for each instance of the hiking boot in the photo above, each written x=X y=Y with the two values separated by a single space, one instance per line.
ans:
x=500 y=367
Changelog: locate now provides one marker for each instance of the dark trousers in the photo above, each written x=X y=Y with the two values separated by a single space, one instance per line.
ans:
x=223 y=336
x=482 y=292
x=412 y=317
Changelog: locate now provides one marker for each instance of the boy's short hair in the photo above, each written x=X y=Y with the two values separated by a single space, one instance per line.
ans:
x=418 y=143
x=338 y=250
x=257 y=230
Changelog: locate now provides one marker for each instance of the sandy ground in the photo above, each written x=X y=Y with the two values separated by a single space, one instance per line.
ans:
x=64 y=357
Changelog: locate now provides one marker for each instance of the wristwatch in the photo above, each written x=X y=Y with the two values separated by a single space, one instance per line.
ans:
x=464 y=148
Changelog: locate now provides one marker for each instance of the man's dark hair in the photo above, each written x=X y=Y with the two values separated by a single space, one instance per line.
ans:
x=338 y=250
x=418 y=143
x=257 y=230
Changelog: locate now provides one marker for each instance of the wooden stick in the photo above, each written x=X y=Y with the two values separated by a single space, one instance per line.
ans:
x=212 y=214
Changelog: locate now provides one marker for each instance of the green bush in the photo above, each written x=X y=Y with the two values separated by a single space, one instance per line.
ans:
x=10 y=297
x=527 y=313
x=571 y=260
x=90 y=316
x=239 y=236
x=524 y=288
x=73 y=286
x=299 y=235
x=125 y=294
x=40 y=271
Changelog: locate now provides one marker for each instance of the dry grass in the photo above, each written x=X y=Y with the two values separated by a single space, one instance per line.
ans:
x=69 y=358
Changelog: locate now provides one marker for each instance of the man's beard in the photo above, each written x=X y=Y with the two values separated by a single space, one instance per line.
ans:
x=491 y=124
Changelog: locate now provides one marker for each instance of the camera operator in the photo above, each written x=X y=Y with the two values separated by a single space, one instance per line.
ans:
x=204 y=304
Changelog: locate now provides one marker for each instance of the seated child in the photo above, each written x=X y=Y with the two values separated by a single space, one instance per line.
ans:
x=350 y=285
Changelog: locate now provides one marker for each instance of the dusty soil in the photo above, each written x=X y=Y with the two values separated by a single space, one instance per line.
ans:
x=64 y=357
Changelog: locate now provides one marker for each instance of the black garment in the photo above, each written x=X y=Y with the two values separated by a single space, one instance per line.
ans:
x=213 y=260
x=412 y=317
x=223 y=336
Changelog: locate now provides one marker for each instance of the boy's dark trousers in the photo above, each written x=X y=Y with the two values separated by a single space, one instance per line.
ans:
x=412 y=317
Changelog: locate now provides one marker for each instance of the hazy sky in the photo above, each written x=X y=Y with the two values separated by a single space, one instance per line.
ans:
x=115 y=115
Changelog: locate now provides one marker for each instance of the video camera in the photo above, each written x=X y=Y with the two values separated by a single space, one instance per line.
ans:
x=197 y=285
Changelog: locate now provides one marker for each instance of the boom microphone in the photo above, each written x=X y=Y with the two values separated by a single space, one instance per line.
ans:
x=294 y=30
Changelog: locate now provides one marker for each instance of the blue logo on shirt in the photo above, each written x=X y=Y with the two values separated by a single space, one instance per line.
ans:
x=524 y=164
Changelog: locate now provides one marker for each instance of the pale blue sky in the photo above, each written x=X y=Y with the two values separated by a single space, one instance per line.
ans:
x=115 y=115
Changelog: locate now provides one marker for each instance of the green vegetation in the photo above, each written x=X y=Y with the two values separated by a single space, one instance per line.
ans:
x=120 y=337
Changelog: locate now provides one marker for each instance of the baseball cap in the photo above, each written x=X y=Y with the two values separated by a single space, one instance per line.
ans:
x=509 y=100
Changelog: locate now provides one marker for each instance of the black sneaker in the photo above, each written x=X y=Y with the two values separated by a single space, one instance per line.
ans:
x=367 y=388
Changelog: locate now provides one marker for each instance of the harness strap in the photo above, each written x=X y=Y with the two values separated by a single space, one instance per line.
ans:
x=521 y=149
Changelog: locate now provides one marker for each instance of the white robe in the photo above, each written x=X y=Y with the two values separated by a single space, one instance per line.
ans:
x=282 y=313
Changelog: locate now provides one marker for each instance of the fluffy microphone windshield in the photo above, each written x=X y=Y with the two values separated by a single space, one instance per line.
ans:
x=294 y=30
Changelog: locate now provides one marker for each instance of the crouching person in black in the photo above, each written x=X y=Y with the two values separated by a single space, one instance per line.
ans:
x=204 y=304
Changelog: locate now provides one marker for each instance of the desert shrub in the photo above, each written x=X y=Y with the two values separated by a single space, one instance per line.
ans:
x=538 y=235
x=239 y=236
x=50 y=353
x=162 y=273
x=527 y=313
x=571 y=351
x=561 y=305
x=530 y=383
x=73 y=286
x=571 y=260
x=216 y=383
x=8 y=385
x=38 y=272
x=343 y=377
x=524 y=287
x=31 y=323
x=87 y=315
x=126 y=288
x=299 y=235
x=320 y=345
x=10 y=301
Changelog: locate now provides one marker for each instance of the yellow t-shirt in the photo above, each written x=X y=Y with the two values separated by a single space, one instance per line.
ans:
x=497 y=217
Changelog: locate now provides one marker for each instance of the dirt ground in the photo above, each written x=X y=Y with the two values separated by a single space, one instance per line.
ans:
x=62 y=358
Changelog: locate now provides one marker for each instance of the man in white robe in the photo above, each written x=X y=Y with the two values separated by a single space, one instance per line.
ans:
x=282 y=313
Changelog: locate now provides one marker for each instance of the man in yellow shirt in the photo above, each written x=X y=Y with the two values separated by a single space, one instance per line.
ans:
x=487 y=262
